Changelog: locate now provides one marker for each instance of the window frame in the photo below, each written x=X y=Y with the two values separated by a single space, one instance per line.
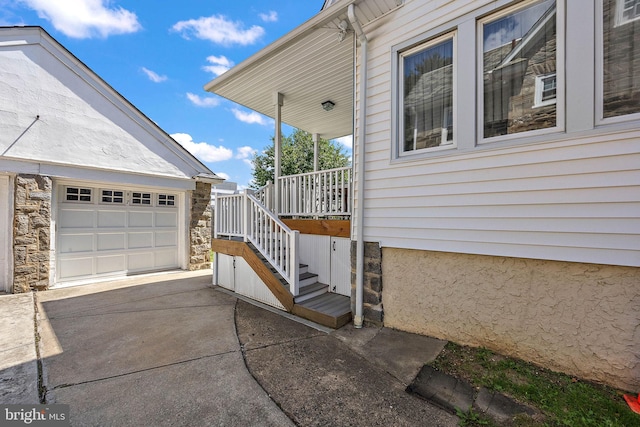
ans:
x=539 y=100
x=560 y=74
x=79 y=194
x=169 y=203
x=619 y=12
x=113 y=196
x=414 y=46
x=600 y=119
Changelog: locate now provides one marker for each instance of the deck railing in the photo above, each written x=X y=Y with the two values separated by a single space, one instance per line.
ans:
x=243 y=215
x=322 y=193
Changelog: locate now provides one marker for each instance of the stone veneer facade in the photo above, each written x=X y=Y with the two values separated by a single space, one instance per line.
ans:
x=200 y=227
x=31 y=233
x=372 y=292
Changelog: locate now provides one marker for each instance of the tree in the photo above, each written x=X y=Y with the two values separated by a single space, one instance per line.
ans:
x=297 y=157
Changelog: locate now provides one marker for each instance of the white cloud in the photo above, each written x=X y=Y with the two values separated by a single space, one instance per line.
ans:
x=272 y=16
x=347 y=141
x=86 y=18
x=246 y=154
x=203 y=102
x=202 y=150
x=153 y=76
x=219 y=29
x=219 y=64
x=223 y=175
x=250 y=118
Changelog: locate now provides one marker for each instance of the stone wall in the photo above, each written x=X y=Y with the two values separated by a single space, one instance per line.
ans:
x=200 y=227
x=32 y=233
x=372 y=293
x=581 y=319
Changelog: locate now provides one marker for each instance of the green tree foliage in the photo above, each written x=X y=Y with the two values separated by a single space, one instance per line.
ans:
x=297 y=157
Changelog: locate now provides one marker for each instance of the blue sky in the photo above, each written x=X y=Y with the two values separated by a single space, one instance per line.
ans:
x=160 y=54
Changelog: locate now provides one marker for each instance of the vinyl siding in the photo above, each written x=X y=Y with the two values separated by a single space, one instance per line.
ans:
x=563 y=196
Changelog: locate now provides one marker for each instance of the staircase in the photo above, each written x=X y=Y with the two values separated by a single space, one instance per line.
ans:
x=314 y=301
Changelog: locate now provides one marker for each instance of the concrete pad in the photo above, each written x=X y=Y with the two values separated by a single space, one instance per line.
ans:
x=253 y=333
x=318 y=381
x=402 y=354
x=210 y=391
x=116 y=339
x=18 y=358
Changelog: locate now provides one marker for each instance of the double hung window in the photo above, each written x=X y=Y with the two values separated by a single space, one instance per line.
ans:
x=426 y=92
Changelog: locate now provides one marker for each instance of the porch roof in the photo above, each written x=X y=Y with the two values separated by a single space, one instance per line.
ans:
x=308 y=66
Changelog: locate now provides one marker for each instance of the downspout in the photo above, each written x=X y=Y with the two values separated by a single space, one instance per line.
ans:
x=362 y=39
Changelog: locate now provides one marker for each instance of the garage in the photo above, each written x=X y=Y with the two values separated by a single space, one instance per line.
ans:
x=107 y=230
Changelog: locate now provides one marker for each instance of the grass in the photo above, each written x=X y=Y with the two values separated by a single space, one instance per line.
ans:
x=563 y=400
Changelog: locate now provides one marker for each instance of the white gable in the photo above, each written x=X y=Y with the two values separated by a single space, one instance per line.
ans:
x=55 y=111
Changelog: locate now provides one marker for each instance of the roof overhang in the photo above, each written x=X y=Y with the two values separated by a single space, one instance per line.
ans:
x=309 y=65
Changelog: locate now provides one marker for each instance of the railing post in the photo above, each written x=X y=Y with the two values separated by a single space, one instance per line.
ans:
x=295 y=263
x=245 y=217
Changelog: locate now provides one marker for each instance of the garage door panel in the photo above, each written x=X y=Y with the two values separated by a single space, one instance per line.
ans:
x=165 y=259
x=76 y=267
x=141 y=240
x=115 y=219
x=110 y=264
x=166 y=219
x=70 y=243
x=140 y=261
x=141 y=219
x=111 y=241
x=166 y=238
x=75 y=218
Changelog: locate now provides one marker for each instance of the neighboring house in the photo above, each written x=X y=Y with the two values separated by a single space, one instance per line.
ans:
x=496 y=199
x=90 y=188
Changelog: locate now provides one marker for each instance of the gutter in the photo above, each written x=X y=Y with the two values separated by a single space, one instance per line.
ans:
x=362 y=40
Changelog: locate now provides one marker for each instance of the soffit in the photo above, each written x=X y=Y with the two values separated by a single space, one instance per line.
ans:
x=308 y=66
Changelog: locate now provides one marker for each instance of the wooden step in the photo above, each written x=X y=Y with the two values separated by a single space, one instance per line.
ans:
x=329 y=309
x=310 y=291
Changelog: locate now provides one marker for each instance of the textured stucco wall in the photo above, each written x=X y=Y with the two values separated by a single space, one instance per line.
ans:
x=582 y=319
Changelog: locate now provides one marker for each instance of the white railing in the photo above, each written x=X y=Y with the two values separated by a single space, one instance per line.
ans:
x=265 y=195
x=258 y=225
x=322 y=193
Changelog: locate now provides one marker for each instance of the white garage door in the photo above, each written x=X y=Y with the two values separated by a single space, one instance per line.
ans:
x=4 y=233
x=112 y=231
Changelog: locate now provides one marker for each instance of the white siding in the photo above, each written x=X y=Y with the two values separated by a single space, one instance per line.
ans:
x=567 y=196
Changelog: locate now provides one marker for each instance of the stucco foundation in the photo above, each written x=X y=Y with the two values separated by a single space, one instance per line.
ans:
x=581 y=319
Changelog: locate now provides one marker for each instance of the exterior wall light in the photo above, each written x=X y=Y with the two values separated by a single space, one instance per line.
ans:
x=328 y=105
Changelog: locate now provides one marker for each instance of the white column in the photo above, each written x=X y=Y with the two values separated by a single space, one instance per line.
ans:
x=278 y=100
x=316 y=153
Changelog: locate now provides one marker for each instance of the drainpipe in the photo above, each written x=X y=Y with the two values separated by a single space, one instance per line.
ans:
x=362 y=40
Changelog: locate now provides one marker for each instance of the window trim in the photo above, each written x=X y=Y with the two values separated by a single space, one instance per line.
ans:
x=167 y=200
x=539 y=94
x=560 y=74
x=600 y=119
x=113 y=196
x=79 y=188
x=411 y=47
x=619 y=12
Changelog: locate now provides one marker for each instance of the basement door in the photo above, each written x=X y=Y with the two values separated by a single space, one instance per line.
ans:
x=115 y=232
x=5 y=233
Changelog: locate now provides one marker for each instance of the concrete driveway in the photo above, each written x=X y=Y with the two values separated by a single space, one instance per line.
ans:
x=158 y=350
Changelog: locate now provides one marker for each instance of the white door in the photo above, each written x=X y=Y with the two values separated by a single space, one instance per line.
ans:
x=341 y=265
x=5 y=233
x=110 y=231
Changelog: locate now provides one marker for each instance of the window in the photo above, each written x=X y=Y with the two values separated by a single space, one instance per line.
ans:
x=141 y=199
x=75 y=194
x=621 y=58
x=111 y=196
x=519 y=69
x=426 y=89
x=545 y=90
x=166 y=200
x=627 y=11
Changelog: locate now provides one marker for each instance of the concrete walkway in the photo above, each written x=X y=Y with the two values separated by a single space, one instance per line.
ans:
x=164 y=350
